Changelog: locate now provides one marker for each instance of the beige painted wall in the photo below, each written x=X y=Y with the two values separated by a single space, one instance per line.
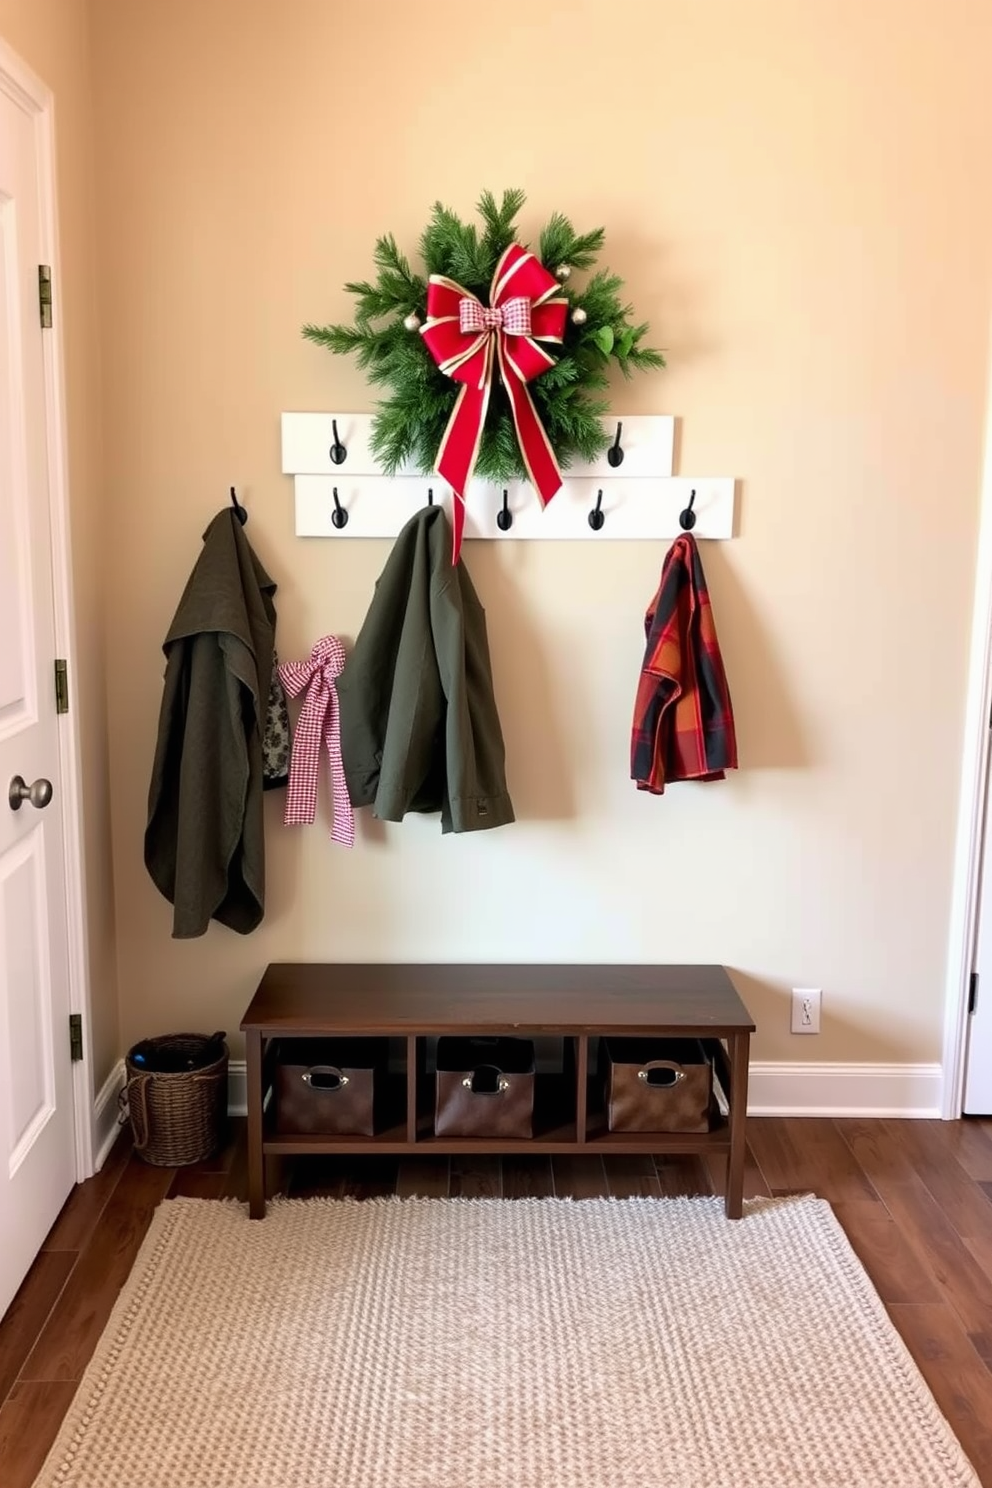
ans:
x=52 y=37
x=797 y=196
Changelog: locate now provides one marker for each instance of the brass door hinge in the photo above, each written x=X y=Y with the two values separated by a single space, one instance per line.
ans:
x=61 y=686
x=76 y=1036
x=45 y=296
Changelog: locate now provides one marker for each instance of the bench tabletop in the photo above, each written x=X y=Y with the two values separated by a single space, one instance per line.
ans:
x=405 y=997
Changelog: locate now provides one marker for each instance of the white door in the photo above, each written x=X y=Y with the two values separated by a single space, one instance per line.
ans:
x=37 y=1137
x=978 y=1062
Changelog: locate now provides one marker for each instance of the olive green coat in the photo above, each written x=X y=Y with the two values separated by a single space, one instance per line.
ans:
x=419 y=727
x=204 y=844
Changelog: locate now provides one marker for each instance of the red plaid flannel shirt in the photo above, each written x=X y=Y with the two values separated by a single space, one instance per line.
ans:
x=683 y=719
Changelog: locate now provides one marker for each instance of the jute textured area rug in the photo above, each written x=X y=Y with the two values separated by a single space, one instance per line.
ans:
x=429 y=1343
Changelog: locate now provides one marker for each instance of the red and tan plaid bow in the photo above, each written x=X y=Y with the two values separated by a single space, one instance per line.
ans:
x=513 y=317
x=468 y=340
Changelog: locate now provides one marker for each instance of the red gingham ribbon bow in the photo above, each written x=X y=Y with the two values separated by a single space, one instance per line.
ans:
x=513 y=317
x=468 y=340
x=319 y=721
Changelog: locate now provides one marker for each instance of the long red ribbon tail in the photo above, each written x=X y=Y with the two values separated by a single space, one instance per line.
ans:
x=459 y=451
x=457 y=527
x=535 y=446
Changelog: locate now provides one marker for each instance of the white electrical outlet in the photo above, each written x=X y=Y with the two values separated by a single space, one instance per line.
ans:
x=806 y=1009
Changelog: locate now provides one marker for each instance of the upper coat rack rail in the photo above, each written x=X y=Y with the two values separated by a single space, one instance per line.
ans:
x=308 y=439
x=345 y=494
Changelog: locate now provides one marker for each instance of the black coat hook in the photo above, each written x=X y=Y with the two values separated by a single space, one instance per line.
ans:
x=615 y=452
x=430 y=495
x=597 y=516
x=687 y=518
x=337 y=451
x=239 y=510
x=338 y=516
x=504 y=518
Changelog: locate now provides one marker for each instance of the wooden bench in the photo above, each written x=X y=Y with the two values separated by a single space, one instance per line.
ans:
x=413 y=1003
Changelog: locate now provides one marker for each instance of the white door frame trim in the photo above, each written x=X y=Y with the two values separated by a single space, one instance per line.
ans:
x=971 y=804
x=26 y=89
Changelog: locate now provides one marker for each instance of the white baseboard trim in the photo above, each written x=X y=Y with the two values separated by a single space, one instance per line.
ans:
x=786 y=1089
x=777 y=1088
x=237 y=1088
x=105 y=1125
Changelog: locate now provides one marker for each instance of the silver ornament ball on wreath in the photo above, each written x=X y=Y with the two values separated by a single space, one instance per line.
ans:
x=563 y=273
x=411 y=322
x=579 y=316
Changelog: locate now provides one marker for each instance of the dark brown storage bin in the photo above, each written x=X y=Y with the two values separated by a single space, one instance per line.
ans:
x=484 y=1087
x=329 y=1087
x=657 y=1085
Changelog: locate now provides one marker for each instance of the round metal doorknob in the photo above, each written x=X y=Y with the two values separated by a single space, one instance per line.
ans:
x=39 y=794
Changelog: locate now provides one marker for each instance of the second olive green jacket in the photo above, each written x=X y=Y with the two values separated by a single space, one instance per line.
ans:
x=419 y=727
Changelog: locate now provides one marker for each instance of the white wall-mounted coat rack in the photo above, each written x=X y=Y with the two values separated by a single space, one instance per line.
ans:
x=641 y=498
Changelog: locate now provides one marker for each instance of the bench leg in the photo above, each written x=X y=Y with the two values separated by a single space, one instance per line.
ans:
x=256 y=1158
x=737 y=1095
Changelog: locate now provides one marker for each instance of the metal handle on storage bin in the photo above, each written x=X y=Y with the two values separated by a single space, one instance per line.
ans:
x=499 y=1084
x=328 y=1077
x=653 y=1072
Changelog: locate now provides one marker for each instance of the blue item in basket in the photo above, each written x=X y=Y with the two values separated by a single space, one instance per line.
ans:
x=151 y=1056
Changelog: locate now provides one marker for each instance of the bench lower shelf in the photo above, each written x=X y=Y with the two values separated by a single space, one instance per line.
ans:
x=394 y=1142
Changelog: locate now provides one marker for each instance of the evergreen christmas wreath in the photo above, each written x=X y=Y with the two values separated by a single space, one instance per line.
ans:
x=473 y=387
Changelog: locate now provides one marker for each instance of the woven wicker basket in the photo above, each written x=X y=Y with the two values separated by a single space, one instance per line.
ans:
x=177 y=1118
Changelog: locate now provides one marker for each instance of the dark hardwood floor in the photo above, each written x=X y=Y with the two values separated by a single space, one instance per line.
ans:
x=915 y=1198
